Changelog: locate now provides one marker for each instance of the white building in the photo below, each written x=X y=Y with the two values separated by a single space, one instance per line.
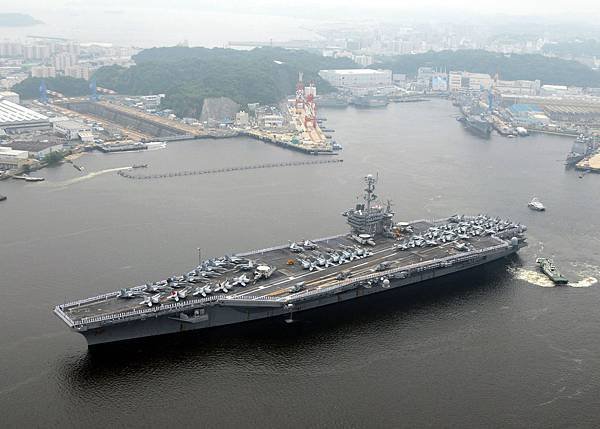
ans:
x=13 y=97
x=357 y=78
x=79 y=72
x=70 y=129
x=43 y=71
x=363 y=60
x=518 y=87
x=63 y=61
x=15 y=118
x=466 y=81
x=272 y=121
x=12 y=159
x=242 y=119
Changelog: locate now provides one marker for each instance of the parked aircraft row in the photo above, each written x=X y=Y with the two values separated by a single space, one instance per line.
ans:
x=330 y=257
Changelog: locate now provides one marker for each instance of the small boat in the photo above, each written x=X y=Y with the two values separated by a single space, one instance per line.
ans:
x=2 y=197
x=536 y=204
x=27 y=178
x=548 y=268
x=139 y=166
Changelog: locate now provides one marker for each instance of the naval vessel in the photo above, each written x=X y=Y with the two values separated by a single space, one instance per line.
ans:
x=375 y=256
x=477 y=124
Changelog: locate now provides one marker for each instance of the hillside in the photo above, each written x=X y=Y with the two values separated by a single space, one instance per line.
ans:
x=189 y=75
x=553 y=71
x=68 y=86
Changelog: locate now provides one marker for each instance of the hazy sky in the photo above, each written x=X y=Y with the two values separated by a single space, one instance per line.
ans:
x=556 y=8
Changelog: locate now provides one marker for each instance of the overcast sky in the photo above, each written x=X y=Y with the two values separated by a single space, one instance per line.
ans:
x=556 y=8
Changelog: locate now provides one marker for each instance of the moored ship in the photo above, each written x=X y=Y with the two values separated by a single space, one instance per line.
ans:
x=376 y=255
x=370 y=101
x=477 y=124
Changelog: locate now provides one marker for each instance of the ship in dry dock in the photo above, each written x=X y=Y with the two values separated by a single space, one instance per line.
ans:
x=375 y=256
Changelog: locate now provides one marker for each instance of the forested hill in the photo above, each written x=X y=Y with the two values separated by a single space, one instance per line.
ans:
x=552 y=71
x=188 y=75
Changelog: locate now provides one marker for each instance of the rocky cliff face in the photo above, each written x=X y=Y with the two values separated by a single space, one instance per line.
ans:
x=219 y=109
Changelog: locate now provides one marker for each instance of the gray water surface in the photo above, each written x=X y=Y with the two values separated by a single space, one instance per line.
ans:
x=490 y=347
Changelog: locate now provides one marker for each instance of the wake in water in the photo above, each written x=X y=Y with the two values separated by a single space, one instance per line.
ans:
x=539 y=279
x=530 y=276
x=156 y=146
x=90 y=176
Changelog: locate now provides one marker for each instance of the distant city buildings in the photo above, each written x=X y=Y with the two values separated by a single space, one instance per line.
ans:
x=43 y=71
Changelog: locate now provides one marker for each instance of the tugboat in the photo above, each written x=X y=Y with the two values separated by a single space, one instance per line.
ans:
x=548 y=268
x=536 y=204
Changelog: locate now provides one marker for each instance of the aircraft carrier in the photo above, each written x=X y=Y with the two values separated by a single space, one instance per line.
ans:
x=377 y=255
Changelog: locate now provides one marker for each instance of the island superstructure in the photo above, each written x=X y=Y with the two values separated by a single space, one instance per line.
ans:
x=375 y=256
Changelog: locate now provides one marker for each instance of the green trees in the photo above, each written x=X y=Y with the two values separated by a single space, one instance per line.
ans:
x=53 y=157
x=189 y=75
x=69 y=86
x=509 y=67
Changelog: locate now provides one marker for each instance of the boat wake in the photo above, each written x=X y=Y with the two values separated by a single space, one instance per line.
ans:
x=586 y=282
x=539 y=279
x=90 y=176
x=530 y=276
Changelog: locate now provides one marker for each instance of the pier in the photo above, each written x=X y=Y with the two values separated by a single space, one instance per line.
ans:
x=126 y=174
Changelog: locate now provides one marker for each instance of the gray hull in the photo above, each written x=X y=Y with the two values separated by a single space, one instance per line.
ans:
x=221 y=315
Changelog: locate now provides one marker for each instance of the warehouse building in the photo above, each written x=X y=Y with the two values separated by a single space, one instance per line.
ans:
x=16 y=119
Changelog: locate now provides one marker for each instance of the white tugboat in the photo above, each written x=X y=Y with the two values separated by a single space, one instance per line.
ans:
x=536 y=204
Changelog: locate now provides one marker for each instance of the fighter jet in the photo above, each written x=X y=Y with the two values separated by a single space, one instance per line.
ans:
x=309 y=245
x=382 y=266
x=305 y=263
x=297 y=287
x=199 y=291
x=463 y=247
x=247 y=267
x=151 y=300
x=127 y=293
x=242 y=280
x=343 y=275
x=223 y=287
x=295 y=247
x=155 y=287
x=176 y=295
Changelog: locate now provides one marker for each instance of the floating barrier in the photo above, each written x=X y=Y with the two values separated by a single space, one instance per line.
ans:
x=128 y=175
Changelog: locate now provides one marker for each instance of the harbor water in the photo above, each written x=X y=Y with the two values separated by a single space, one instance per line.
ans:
x=495 y=346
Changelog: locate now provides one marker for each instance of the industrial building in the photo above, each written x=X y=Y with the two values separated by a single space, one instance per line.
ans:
x=37 y=149
x=518 y=87
x=11 y=159
x=357 y=78
x=18 y=119
x=13 y=97
x=70 y=129
x=528 y=115
x=465 y=81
